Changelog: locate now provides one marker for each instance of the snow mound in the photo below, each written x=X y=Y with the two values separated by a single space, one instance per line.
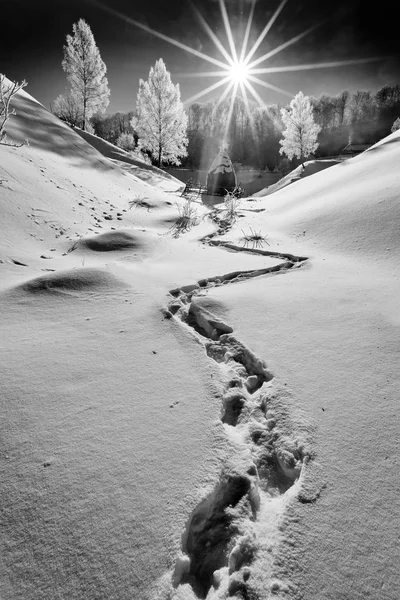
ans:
x=113 y=241
x=310 y=168
x=72 y=280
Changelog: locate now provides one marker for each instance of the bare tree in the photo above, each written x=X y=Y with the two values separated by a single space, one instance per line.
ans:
x=8 y=89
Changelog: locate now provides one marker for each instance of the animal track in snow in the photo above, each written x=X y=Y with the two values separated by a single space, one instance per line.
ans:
x=219 y=544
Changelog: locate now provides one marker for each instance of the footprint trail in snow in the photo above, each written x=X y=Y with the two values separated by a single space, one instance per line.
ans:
x=233 y=528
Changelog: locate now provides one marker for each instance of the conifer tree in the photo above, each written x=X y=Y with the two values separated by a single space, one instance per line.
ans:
x=161 y=121
x=300 y=135
x=86 y=71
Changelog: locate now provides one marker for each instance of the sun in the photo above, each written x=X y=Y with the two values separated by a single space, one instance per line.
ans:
x=239 y=72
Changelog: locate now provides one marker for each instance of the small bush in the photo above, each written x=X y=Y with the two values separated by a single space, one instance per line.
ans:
x=231 y=210
x=188 y=218
x=140 y=201
x=256 y=238
x=126 y=141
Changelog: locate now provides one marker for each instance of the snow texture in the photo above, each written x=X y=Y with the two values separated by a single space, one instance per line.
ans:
x=188 y=418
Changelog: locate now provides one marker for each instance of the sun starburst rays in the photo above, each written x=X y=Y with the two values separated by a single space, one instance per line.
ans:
x=239 y=69
x=264 y=32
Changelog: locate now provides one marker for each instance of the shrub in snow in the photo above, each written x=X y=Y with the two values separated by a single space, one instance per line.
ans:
x=255 y=238
x=300 y=135
x=231 y=208
x=86 y=71
x=126 y=141
x=188 y=217
x=396 y=125
x=8 y=89
x=161 y=121
x=68 y=109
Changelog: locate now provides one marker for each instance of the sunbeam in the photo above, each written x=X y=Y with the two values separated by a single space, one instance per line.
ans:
x=269 y=85
x=247 y=106
x=247 y=32
x=207 y=90
x=255 y=95
x=228 y=30
x=224 y=95
x=326 y=65
x=166 y=38
x=230 y=112
x=212 y=36
x=265 y=31
x=293 y=40
x=206 y=73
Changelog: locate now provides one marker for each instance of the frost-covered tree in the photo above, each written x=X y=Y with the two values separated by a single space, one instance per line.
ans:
x=160 y=120
x=300 y=135
x=68 y=109
x=396 y=125
x=86 y=71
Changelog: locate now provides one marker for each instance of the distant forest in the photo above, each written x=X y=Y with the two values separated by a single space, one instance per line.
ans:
x=358 y=118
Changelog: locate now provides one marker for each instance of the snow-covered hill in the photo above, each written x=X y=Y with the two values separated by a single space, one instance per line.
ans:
x=202 y=415
x=310 y=168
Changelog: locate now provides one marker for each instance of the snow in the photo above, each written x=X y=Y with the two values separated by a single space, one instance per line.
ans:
x=183 y=418
x=310 y=167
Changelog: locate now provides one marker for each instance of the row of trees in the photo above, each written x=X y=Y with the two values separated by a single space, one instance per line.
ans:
x=254 y=139
x=255 y=135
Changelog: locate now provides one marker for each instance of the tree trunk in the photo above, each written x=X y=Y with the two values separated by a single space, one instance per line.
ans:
x=84 y=114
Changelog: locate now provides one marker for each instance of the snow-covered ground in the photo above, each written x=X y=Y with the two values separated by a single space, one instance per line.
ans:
x=198 y=415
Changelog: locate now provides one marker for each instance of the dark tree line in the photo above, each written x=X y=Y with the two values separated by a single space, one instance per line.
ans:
x=254 y=132
x=357 y=118
x=111 y=127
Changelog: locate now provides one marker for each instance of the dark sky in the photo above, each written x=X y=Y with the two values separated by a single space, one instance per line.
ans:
x=33 y=34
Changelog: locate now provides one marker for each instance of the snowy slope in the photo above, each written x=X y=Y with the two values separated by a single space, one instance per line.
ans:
x=148 y=173
x=190 y=417
x=360 y=213
x=310 y=168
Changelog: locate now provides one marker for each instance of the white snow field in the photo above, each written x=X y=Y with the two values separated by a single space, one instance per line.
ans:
x=203 y=415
